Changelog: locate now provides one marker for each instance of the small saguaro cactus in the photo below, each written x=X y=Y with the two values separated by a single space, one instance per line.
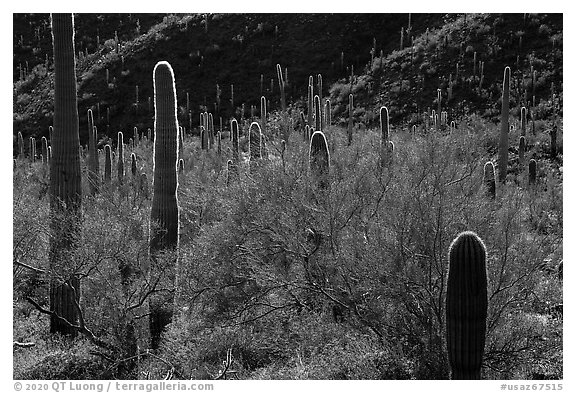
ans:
x=328 y=112
x=532 y=172
x=20 y=145
x=44 y=144
x=521 y=150
x=93 y=164
x=120 y=165
x=219 y=143
x=504 y=127
x=180 y=143
x=489 y=179
x=319 y=160
x=317 y=114
x=229 y=172
x=281 y=85
x=321 y=125
x=107 y=163
x=144 y=190
x=350 y=119
x=180 y=166
x=235 y=136
x=133 y=165
x=255 y=141
x=523 y=121
x=263 y=113
x=310 y=121
x=466 y=305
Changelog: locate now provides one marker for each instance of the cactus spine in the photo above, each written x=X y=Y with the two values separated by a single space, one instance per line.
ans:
x=504 y=126
x=319 y=160
x=65 y=174
x=466 y=305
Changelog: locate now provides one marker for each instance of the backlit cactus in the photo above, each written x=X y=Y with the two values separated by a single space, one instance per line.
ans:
x=317 y=114
x=107 y=164
x=532 y=172
x=466 y=306
x=93 y=164
x=523 y=121
x=489 y=180
x=164 y=200
x=350 y=120
x=319 y=160
x=504 y=126
x=234 y=131
x=120 y=164
x=263 y=114
x=164 y=216
x=65 y=174
x=521 y=150
x=133 y=165
x=20 y=145
x=44 y=146
x=328 y=112
x=255 y=142
x=281 y=84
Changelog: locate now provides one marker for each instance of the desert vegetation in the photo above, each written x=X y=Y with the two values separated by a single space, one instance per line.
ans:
x=398 y=216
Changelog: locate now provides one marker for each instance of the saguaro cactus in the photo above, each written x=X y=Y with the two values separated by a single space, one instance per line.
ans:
x=44 y=144
x=504 y=126
x=466 y=305
x=532 y=172
x=65 y=178
x=263 y=113
x=120 y=165
x=350 y=120
x=282 y=90
x=164 y=216
x=317 y=114
x=20 y=145
x=93 y=164
x=489 y=179
x=328 y=113
x=133 y=165
x=107 y=164
x=521 y=151
x=319 y=160
x=523 y=121
x=255 y=142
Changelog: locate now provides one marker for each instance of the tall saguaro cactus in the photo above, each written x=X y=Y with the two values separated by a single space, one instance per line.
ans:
x=164 y=216
x=466 y=305
x=489 y=180
x=120 y=165
x=65 y=179
x=504 y=127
